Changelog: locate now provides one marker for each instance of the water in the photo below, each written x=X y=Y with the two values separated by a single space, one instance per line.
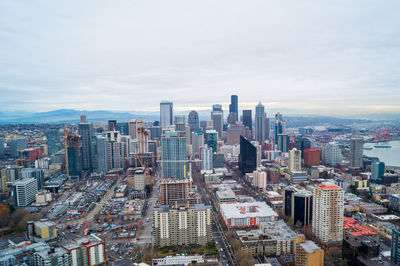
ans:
x=390 y=156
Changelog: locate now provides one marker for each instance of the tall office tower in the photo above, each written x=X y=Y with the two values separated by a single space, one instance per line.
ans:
x=173 y=155
x=328 y=208
x=15 y=145
x=395 y=253
x=85 y=130
x=280 y=126
x=155 y=132
x=301 y=144
x=123 y=128
x=312 y=157
x=211 y=139
x=2 y=141
x=217 y=116
x=258 y=147
x=133 y=126
x=301 y=208
x=102 y=154
x=233 y=134
x=261 y=124
x=166 y=114
x=125 y=146
x=283 y=142
x=94 y=155
x=9 y=175
x=287 y=199
x=173 y=191
x=197 y=142
x=74 y=154
x=193 y=121
x=182 y=225
x=356 y=152
x=179 y=119
x=24 y=191
x=114 y=159
x=294 y=160
x=52 y=141
x=247 y=156
x=248 y=119
x=332 y=154
x=112 y=125
x=231 y=119
x=234 y=107
x=377 y=171
x=35 y=173
x=206 y=157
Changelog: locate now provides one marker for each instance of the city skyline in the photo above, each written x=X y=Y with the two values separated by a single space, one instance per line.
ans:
x=298 y=57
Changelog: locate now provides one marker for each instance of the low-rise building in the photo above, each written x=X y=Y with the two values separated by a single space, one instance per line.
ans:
x=45 y=229
x=178 y=260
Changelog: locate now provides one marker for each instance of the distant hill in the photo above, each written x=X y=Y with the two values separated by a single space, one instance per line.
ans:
x=73 y=116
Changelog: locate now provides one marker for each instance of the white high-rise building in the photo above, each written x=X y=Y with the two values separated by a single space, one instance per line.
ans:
x=24 y=191
x=217 y=117
x=206 y=157
x=332 y=154
x=258 y=147
x=294 y=160
x=197 y=142
x=166 y=114
x=133 y=126
x=328 y=208
x=356 y=152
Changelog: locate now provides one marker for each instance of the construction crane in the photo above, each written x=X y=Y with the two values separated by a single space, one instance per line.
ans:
x=66 y=149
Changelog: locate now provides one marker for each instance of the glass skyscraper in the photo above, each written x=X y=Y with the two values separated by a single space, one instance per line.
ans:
x=193 y=121
x=247 y=156
x=261 y=124
x=52 y=140
x=173 y=155
x=85 y=130
x=217 y=116
x=166 y=114
x=211 y=139
x=234 y=106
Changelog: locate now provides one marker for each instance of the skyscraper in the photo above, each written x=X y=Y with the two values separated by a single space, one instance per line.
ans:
x=211 y=139
x=197 y=142
x=356 y=152
x=15 y=145
x=280 y=126
x=173 y=155
x=247 y=156
x=74 y=154
x=217 y=117
x=248 y=119
x=133 y=127
x=24 y=191
x=102 y=153
x=261 y=124
x=166 y=114
x=206 y=157
x=395 y=253
x=332 y=154
x=193 y=120
x=234 y=106
x=123 y=128
x=283 y=142
x=328 y=208
x=85 y=130
x=294 y=160
x=114 y=159
x=377 y=171
x=52 y=141
x=112 y=125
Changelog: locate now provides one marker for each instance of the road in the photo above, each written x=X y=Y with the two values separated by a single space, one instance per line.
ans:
x=228 y=257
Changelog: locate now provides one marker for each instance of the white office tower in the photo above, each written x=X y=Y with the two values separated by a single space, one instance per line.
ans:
x=24 y=191
x=332 y=154
x=258 y=147
x=294 y=160
x=166 y=114
x=206 y=157
x=328 y=208
x=133 y=126
x=125 y=146
x=356 y=152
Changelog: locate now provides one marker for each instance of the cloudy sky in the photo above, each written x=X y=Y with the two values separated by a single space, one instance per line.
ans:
x=309 y=57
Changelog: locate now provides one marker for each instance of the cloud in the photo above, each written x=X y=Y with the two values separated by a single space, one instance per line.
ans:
x=309 y=56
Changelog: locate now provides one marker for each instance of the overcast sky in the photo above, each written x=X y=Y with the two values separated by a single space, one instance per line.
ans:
x=311 y=57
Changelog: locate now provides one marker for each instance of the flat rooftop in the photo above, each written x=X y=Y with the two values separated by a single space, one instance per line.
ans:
x=247 y=209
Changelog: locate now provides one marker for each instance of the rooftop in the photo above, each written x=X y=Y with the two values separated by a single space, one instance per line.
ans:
x=309 y=246
x=330 y=186
x=247 y=209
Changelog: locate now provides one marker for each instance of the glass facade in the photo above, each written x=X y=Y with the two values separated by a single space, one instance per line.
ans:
x=247 y=157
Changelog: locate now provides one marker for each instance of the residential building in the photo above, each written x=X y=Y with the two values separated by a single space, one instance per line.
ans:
x=166 y=114
x=24 y=191
x=308 y=254
x=36 y=173
x=217 y=116
x=85 y=130
x=52 y=257
x=294 y=160
x=377 y=171
x=90 y=250
x=182 y=225
x=312 y=157
x=173 y=191
x=102 y=153
x=52 y=141
x=206 y=157
x=8 y=176
x=395 y=254
x=133 y=126
x=356 y=152
x=197 y=142
x=123 y=128
x=332 y=154
x=114 y=159
x=173 y=155
x=328 y=208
